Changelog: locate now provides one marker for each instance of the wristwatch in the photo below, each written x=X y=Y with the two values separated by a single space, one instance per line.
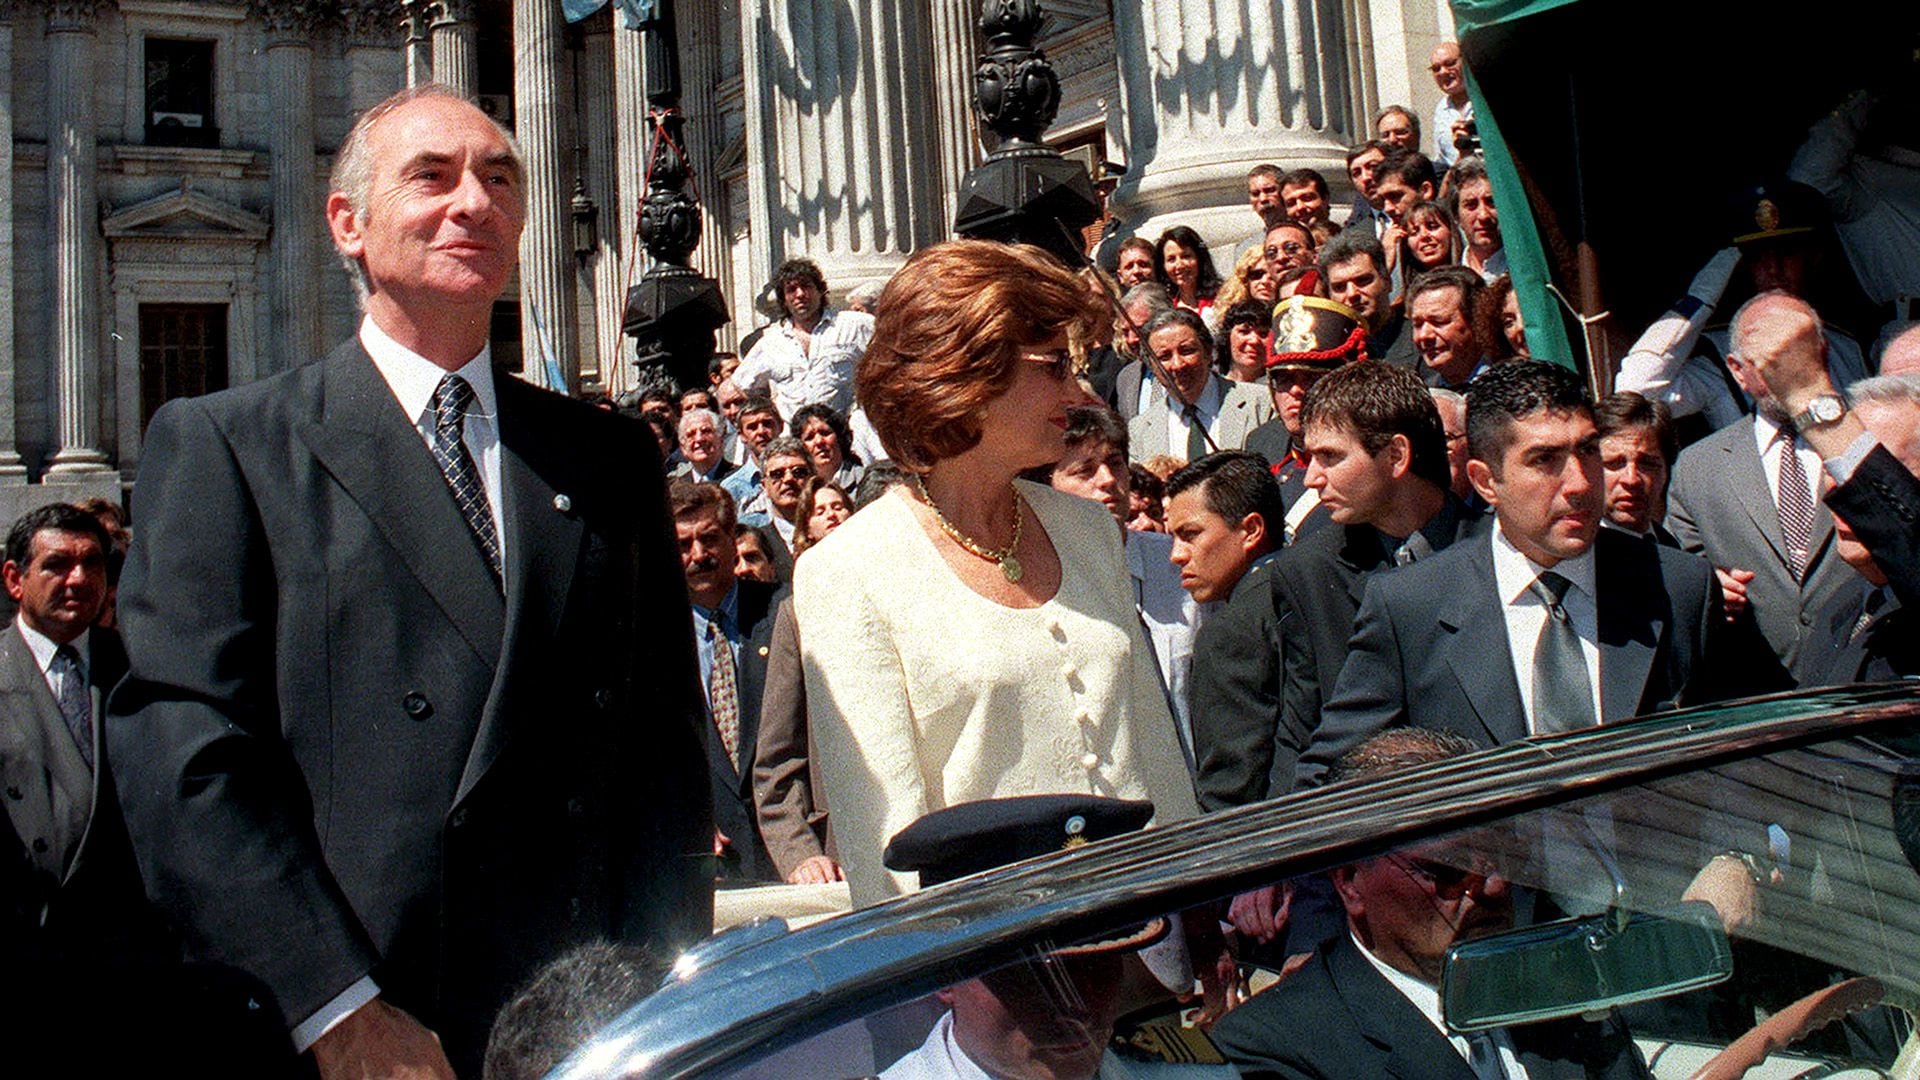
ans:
x=1821 y=411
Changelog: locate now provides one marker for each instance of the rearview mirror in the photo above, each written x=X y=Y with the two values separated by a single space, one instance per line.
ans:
x=1573 y=966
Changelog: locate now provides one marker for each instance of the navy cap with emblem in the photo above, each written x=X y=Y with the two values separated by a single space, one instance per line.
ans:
x=1775 y=211
x=975 y=836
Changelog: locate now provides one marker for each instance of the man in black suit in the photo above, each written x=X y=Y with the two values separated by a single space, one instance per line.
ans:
x=1355 y=268
x=412 y=705
x=1223 y=511
x=1367 y=1001
x=733 y=634
x=1548 y=624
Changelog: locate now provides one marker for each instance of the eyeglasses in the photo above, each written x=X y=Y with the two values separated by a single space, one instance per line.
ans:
x=1291 y=247
x=1059 y=361
x=791 y=472
x=1447 y=882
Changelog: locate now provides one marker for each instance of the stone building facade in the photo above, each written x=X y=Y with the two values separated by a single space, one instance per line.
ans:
x=163 y=201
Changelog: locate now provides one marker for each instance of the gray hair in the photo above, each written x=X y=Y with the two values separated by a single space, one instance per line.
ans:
x=696 y=414
x=1887 y=390
x=352 y=174
x=866 y=297
x=783 y=446
x=1151 y=293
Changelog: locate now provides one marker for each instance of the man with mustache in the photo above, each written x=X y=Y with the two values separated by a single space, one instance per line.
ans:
x=1546 y=623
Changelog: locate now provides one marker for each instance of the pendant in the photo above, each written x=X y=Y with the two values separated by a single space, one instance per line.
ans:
x=1011 y=567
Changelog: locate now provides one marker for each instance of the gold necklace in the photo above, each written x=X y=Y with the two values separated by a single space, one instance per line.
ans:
x=1009 y=565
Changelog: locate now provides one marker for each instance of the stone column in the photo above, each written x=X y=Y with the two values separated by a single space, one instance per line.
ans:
x=417 y=19
x=1196 y=119
x=12 y=470
x=850 y=146
x=700 y=76
x=547 y=317
x=603 y=287
x=629 y=180
x=73 y=232
x=454 y=46
x=373 y=28
x=956 y=53
x=295 y=252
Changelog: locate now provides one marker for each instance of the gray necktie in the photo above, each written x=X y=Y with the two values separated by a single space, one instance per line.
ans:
x=450 y=401
x=76 y=705
x=1562 y=697
x=1196 y=433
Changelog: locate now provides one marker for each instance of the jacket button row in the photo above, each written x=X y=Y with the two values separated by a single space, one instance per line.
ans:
x=417 y=705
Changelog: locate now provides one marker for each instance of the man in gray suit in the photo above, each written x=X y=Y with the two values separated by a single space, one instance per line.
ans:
x=1747 y=497
x=1204 y=413
x=1544 y=624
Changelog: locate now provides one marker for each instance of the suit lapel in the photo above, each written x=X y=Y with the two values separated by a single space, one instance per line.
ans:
x=1475 y=627
x=1630 y=627
x=1154 y=429
x=1750 y=490
x=1359 y=555
x=1413 y=1046
x=38 y=758
x=543 y=536
x=377 y=456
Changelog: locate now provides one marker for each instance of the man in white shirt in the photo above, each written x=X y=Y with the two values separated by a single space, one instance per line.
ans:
x=1204 y=412
x=807 y=357
x=1367 y=1001
x=360 y=593
x=1454 y=110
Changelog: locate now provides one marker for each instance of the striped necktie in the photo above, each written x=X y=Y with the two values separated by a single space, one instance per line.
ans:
x=450 y=401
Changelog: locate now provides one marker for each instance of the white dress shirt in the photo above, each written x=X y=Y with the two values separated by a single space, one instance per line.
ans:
x=1513 y=577
x=1427 y=999
x=820 y=372
x=413 y=378
x=43 y=647
x=1444 y=114
x=1206 y=408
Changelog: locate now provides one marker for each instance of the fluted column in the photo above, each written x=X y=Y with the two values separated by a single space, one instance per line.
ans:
x=956 y=53
x=603 y=286
x=417 y=21
x=700 y=59
x=73 y=228
x=848 y=148
x=12 y=470
x=295 y=249
x=1197 y=118
x=454 y=46
x=547 y=317
x=373 y=28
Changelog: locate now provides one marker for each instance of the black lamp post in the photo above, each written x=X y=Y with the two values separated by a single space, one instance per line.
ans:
x=673 y=311
x=1024 y=192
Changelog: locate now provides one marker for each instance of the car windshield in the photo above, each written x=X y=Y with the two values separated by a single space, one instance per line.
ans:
x=1762 y=913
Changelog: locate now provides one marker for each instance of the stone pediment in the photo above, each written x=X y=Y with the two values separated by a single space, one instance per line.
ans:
x=186 y=214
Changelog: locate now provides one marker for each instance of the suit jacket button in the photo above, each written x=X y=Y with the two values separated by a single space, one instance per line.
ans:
x=603 y=698
x=40 y=844
x=14 y=793
x=417 y=705
x=459 y=820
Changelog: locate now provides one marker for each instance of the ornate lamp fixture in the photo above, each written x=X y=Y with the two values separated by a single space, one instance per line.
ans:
x=673 y=311
x=1024 y=192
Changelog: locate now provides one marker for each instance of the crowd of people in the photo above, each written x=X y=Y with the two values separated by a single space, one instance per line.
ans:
x=409 y=701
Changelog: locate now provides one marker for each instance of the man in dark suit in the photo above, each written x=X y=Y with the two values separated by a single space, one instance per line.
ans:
x=1222 y=512
x=1637 y=448
x=1761 y=525
x=1367 y=1001
x=412 y=705
x=1548 y=624
x=733 y=634
x=1355 y=268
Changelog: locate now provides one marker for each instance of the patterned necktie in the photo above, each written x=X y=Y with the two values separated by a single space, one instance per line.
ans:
x=723 y=690
x=1196 y=433
x=1796 y=508
x=450 y=401
x=76 y=705
x=1562 y=696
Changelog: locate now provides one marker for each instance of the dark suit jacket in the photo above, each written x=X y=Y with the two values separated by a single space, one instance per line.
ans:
x=1317 y=587
x=1720 y=506
x=777 y=552
x=786 y=769
x=1887 y=648
x=1124 y=395
x=1337 y=1018
x=1233 y=694
x=1429 y=647
x=1392 y=344
x=342 y=751
x=1881 y=504
x=732 y=781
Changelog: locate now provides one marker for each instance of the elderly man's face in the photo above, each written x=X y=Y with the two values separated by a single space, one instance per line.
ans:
x=1287 y=246
x=731 y=399
x=1050 y=1020
x=1444 y=64
x=783 y=478
x=63 y=587
x=1409 y=907
x=1396 y=130
x=707 y=555
x=699 y=440
x=444 y=208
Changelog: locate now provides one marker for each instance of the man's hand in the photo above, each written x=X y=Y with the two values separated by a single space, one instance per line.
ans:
x=721 y=844
x=1727 y=884
x=818 y=870
x=379 y=1042
x=1390 y=240
x=1733 y=590
x=1459 y=131
x=1261 y=915
x=1782 y=344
